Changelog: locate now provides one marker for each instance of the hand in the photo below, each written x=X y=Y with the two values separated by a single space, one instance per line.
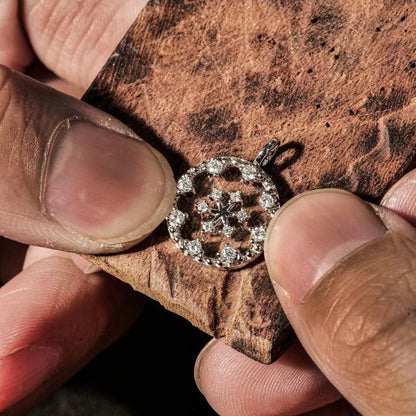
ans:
x=72 y=178
x=345 y=273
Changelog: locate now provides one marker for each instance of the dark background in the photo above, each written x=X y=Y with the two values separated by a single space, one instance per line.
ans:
x=149 y=371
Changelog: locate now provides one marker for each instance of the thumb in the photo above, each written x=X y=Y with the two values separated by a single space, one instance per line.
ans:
x=72 y=177
x=347 y=282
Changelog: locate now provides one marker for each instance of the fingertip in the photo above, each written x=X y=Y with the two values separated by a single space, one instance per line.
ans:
x=24 y=370
x=401 y=197
x=198 y=362
x=235 y=385
x=86 y=182
x=312 y=233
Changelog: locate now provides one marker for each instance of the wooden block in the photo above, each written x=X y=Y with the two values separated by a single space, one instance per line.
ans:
x=334 y=81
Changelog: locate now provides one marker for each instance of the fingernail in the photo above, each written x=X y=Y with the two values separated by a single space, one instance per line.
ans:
x=312 y=233
x=198 y=362
x=84 y=265
x=23 y=371
x=102 y=184
x=400 y=198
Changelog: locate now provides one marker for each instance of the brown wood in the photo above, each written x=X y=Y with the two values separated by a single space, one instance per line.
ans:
x=334 y=81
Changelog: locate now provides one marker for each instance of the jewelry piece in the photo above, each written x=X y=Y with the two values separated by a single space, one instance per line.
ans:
x=225 y=229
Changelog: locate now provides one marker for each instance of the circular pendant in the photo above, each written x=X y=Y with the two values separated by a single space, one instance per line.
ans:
x=222 y=209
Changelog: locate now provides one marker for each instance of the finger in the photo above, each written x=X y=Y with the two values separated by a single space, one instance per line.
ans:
x=15 y=51
x=401 y=198
x=35 y=254
x=235 y=385
x=53 y=320
x=72 y=177
x=75 y=39
x=347 y=286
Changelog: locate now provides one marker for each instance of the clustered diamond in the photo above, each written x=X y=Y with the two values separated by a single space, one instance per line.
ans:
x=258 y=234
x=177 y=217
x=227 y=230
x=228 y=205
x=208 y=227
x=185 y=184
x=215 y=167
x=242 y=215
x=216 y=195
x=229 y=255
x=203 y=207
x=249 y=173
x=195 y=248
x=236 y=197
x=266 y=200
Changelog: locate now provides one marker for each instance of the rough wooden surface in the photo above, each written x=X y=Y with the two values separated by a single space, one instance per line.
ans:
x=334 y=81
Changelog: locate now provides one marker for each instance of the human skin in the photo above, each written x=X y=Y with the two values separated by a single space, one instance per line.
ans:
x=51 y=301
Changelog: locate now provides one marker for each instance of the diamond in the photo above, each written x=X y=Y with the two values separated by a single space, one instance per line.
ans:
x=258 y=234
x=195 y=248
x=268 y=186
x=227 y=230
x=208 y=227
x=242 y=215
x=216 y=195
x=236 y=197
x=228 y=254
x=266 y=201
x=249 y=173
x=257 y=248
x=185 y=184
x=215 y=167
x=177 y=217
x=202 y=207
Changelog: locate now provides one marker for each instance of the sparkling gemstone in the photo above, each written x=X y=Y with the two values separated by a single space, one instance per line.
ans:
x=215 y=167
x=208 y=227
x=177 y=217
x=228 y=230
x=216 y=195
x=266 y=201
x=268 y=186
x=242 y=215
x=185 y=184
x=235 y=197
x=257 y=248
x=228 y=254
x=258 y=234
x=195 y=248
x=203 y=207
x=249 y=173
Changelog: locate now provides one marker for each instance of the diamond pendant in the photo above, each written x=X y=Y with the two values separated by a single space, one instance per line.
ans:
x=222 y=209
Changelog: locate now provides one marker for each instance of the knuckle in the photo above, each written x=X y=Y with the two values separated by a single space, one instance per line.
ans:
x=369 y=327
x=378 y=309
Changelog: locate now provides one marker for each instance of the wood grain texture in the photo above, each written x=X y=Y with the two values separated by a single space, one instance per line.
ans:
x=334 y=81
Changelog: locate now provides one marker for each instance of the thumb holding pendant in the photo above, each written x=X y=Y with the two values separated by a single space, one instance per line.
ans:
x=346 y=277
x=73 y=177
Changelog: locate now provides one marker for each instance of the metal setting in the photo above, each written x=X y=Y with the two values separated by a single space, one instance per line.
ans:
x=222 y=215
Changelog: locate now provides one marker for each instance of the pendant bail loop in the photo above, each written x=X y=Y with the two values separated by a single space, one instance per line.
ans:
x=267 y=154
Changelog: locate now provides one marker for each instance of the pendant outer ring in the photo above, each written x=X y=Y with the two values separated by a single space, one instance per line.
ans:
x=250 y=172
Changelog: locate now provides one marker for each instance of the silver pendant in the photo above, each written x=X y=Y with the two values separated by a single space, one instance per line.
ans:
x=222 y=209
